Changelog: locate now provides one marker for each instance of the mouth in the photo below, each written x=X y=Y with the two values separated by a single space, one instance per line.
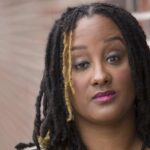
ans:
x=104 y=97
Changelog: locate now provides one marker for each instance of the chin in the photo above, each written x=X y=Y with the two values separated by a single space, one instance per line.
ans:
x=113 y=117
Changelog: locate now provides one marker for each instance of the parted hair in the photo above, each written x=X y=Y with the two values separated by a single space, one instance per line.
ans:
x=51 y=110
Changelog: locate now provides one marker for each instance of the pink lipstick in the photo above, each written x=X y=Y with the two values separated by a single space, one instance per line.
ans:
x=104 y=97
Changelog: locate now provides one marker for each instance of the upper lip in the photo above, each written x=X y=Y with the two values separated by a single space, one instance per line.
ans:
x=105 y=93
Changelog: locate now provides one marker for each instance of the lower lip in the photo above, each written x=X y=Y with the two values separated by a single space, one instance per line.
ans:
x=105 y=99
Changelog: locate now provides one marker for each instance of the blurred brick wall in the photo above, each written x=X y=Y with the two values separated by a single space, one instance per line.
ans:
x=24 y=28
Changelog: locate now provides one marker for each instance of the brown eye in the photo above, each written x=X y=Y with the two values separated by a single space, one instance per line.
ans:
x=113 y=59
x=81 y=65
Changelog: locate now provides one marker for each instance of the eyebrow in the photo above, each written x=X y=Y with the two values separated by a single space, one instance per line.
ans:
x=114 y=38
x=80 y=47
x=110 y=39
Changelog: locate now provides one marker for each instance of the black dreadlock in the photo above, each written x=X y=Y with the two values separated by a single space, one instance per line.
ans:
x=63 y=134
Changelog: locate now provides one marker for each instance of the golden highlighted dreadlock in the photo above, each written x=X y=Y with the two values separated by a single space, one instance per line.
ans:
x=67 y=72
x=43 y=141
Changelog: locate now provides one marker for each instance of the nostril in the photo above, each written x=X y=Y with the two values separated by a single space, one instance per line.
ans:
x=101 y=80
x=101 y=75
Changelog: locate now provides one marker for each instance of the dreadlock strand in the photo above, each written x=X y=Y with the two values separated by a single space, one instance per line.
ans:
x=69 y=81
x=70 y=63
x=65 y=75
x=37 y=121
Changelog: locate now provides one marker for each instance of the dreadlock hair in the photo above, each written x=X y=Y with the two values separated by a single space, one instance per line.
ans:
x=56 y=82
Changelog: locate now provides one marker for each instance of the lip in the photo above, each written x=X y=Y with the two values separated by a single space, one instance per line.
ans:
x=104 y=97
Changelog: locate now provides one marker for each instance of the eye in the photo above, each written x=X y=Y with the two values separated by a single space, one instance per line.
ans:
x=113 y=59
x=81 y=65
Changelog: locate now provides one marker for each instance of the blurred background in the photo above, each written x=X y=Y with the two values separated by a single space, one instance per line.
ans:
x=24 y=27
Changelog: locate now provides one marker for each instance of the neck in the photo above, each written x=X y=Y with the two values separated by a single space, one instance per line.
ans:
x=119 y=136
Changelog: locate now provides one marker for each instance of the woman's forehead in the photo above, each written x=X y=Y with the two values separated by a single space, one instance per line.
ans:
x=96 y=25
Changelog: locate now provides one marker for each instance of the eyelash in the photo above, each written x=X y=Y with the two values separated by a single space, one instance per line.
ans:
x=113 y=59
x=81 y=65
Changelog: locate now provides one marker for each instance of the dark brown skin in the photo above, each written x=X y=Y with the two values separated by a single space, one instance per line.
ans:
x=100 y=63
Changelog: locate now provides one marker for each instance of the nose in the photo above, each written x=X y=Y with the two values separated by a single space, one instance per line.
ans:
x=101 y=76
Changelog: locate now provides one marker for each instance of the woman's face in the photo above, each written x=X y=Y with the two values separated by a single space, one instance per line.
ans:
x=101 y=76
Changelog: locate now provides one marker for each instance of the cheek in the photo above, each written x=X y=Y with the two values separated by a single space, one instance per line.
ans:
x=124 y=77
x=79 y=84
x=125 y=83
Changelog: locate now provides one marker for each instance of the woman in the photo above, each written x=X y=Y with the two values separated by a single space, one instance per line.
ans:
x=95 y=89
